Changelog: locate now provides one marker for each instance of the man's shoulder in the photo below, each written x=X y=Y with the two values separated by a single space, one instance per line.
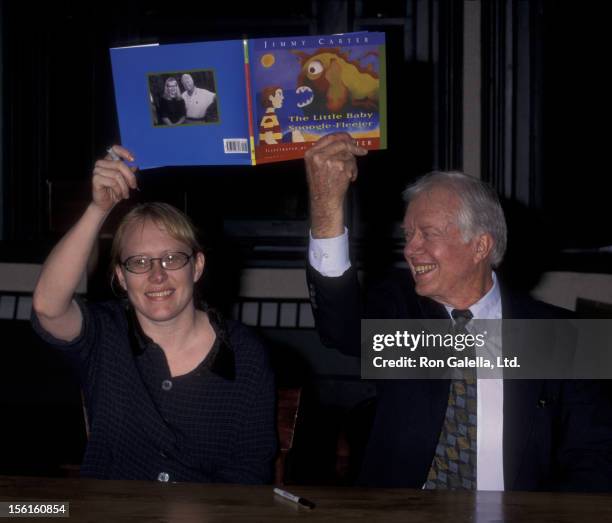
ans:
x=392 y=293
x=397 y=286
x=520 y=305
x=204 y=92
x=393 y=281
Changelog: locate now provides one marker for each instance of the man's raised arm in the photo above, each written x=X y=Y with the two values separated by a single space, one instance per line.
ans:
x=331 y=166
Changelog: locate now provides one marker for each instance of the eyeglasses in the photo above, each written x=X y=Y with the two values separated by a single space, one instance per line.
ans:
x=171 y=261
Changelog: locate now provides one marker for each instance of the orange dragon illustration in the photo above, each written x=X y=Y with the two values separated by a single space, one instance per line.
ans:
x=331 y=82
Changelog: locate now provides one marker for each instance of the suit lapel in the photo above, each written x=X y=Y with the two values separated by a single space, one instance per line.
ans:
x=438 y=389
x=520 y=397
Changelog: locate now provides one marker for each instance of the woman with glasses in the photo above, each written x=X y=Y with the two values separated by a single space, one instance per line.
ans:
x=173 y=392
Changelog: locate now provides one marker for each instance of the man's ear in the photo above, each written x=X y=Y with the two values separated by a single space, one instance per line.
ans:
x=200 y=263
x=120 y=277
x=484 y=245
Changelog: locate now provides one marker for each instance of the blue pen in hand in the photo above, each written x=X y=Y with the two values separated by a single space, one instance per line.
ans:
x=115 y=157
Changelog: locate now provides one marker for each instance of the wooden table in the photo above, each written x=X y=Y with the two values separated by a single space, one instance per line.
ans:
x=112 y=501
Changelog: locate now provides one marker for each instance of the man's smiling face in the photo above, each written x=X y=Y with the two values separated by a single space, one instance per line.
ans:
x=445 y=267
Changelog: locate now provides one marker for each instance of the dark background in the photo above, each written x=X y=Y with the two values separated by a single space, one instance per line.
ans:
x=544 y=104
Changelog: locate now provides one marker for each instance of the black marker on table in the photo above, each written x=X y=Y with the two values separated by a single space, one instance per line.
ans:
x=296 y=499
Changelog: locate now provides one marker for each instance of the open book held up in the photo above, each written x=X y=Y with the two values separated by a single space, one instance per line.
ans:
x=244 y=102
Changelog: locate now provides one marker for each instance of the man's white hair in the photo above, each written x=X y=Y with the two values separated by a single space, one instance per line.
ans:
x=480 y=210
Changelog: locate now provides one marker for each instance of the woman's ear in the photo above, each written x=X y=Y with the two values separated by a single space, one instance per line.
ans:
x=120 y=277
x=200 y=263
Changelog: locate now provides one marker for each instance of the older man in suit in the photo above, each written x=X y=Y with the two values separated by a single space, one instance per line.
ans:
x=514 y=434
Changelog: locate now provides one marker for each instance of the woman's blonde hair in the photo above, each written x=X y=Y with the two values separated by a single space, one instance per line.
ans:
x=165 y=216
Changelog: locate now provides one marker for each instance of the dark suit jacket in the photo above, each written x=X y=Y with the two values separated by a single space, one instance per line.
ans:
x=557 y=434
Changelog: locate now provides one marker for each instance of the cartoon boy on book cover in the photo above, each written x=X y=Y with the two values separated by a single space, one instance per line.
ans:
x=270 y=131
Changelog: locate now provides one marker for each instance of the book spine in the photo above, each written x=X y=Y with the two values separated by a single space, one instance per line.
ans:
x=383 y=95
x=247 y=77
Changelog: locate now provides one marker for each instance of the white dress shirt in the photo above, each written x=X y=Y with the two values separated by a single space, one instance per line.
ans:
x=330 y=257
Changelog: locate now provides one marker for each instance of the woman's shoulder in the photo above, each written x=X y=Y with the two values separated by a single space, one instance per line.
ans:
x=251 y=354
x=240 y=332
x=243 y=340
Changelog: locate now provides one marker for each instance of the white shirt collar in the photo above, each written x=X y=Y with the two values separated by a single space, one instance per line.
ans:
x=488 y=307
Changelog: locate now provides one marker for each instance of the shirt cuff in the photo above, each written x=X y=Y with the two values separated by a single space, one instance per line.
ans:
x=329 y=256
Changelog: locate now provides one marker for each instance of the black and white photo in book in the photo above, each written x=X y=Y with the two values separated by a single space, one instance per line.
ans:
x=183 y=98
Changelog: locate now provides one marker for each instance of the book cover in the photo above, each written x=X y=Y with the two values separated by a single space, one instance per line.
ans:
x=303 y=88
x=247 y=102
x=183 y=104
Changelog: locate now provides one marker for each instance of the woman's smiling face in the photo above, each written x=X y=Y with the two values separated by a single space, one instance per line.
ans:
x=159 y=295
